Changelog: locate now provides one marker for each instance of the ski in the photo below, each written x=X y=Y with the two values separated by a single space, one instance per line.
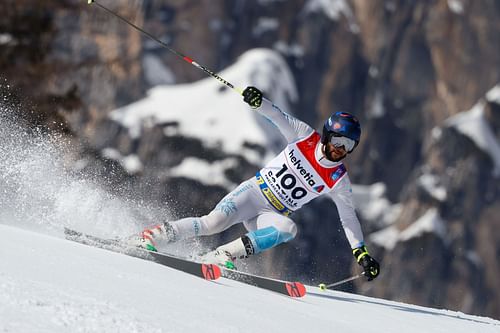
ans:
x=206 y=271
x=292 y=289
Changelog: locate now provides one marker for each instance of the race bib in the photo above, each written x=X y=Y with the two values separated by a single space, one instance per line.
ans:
x=295 y=177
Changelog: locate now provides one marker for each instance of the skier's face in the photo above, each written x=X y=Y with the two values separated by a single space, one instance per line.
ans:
x=333 y=153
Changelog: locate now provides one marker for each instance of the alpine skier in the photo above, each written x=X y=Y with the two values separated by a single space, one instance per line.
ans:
x=309 y=166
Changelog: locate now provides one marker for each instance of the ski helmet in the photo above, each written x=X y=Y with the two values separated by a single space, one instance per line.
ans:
x=341 y=124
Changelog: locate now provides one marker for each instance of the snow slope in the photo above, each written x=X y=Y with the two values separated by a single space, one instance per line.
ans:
x=48 y=284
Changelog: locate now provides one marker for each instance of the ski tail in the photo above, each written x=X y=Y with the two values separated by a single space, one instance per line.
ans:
x=205 y=271
x=211 y=271
x=292 y=289
x=295 y=289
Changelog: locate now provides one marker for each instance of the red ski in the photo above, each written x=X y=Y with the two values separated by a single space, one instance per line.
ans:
x=292 y=289
x=206 y=271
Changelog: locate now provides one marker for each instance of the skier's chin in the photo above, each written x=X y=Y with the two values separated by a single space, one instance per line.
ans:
x=335 y=158
x=334 y=154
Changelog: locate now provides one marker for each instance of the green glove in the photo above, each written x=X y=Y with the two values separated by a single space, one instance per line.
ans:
x=253 y=97
x=370 y=265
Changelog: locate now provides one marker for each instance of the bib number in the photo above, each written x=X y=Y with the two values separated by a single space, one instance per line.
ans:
x=288 y=182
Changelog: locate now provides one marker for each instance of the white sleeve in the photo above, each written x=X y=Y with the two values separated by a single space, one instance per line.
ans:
x=342 y=196
x=291 y=127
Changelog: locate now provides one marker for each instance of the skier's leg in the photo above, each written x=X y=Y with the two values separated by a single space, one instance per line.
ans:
x=235 y=207
x=148 y=237
x=268 y=230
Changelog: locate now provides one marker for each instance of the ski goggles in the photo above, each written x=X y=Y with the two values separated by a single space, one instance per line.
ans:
x=339 y=141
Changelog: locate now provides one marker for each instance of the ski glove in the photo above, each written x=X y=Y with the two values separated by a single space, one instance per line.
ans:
x=253 y=97
x=370 y=265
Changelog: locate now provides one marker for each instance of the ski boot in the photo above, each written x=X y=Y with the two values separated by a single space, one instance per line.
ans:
x=146 y=239
x=226 y=254
x=219 y=257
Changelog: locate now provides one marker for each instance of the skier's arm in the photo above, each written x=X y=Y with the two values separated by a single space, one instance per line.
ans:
x=342 y=196
x=291 y=127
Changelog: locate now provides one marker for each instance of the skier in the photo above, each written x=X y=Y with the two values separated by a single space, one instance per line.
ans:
x=309 y=166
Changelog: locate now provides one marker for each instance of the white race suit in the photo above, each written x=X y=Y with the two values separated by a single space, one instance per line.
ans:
x=265 y=202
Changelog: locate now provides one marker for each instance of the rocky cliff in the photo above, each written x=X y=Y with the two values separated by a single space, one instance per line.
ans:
x=420 y=75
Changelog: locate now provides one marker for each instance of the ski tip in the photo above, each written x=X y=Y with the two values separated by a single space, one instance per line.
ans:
x=211 y=271
x=296 y=289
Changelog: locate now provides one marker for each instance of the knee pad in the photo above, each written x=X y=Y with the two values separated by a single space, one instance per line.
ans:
x=267 y=238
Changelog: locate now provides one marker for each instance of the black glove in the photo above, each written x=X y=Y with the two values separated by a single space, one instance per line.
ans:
x=370 y=265
x=252 y=96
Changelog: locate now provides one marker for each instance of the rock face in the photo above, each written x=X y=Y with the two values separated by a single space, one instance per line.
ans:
x=406 y=68
x=62 y=57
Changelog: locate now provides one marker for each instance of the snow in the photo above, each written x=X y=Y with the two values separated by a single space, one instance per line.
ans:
x=373 y=71
x=372 y=204
x=206 y=109
x=474 y=257
x=474 y=125
x=430 y=222
x=155 y=72
x=333 y=10
x=131 y=163
x=456 y=6
x=48 y=284
x=431 y=184
x=377 y=109
x=390 y=6
x=293 y=49
x=5 y=38
x=493 y=95
x=386 y=238
x=206 y=173
x=265 y=25
x=436 y=133
x=41 y=187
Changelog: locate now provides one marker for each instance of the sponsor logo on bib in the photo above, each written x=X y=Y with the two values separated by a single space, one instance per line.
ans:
x=319 y=188
x=297 y=163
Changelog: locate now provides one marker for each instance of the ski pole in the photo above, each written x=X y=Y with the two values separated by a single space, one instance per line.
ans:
x=184 y=57
x=324 y=287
